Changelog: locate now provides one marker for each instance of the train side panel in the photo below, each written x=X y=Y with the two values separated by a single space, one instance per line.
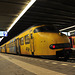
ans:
x=25 y=42
x=0 y=49
x=24 y=48
x=7 y=47
x=3 y=48
x=42 y=42
x=10 y=47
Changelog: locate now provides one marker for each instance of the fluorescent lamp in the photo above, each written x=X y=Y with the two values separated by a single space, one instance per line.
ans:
x=72 y=31
x=1 y=39
x=21 y=14
x=66 y=28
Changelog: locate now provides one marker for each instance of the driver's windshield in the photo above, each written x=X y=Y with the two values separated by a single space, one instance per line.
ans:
x=46 y=29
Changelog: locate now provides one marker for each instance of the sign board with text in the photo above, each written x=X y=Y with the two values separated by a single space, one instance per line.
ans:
x=3 y=34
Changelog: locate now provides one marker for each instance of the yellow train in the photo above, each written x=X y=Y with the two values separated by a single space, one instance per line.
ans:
x=39 y=40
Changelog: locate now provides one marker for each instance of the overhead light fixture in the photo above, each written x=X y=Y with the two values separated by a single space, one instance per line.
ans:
x=1 y=39
x=66 y=28
x=72 y=31
x=21 y=14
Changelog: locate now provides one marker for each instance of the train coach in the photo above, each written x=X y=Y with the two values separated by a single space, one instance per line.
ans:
x=39 y=40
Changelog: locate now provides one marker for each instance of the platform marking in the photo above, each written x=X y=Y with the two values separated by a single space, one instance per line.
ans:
x=41 y=60
x=73 y=66
x=64 y=64
x=54 y=63
x=47 y=61
x=32 y=68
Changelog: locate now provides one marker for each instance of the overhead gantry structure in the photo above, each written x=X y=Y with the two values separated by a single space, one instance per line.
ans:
x=18 y=15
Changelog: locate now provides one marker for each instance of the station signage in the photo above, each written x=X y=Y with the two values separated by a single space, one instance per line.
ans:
x=3 y=33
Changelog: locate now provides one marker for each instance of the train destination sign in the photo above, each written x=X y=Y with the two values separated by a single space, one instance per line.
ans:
x=3 y=34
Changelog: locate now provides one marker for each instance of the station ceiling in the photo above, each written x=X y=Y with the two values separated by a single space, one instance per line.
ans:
x=9 y=11
x=60 y=13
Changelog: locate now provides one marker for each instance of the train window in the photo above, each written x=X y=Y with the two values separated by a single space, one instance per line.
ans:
x=22 y=41
x=46 y=29
x=27 y=39
x=31 y=36
x=3 y=47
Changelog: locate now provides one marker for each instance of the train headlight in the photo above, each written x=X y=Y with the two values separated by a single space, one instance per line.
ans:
x=52 y=46
x=61 y=34
x=58 y=46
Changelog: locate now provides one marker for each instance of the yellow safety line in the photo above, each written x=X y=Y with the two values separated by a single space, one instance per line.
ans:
x=64 y=64
x=32 y=68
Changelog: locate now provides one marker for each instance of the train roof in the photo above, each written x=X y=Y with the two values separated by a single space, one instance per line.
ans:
x=11 y=40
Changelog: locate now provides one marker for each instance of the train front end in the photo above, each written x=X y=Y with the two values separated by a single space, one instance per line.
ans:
x=61 y=46
x=48 y=41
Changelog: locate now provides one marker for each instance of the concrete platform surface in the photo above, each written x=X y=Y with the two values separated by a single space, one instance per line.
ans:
x=23 y=65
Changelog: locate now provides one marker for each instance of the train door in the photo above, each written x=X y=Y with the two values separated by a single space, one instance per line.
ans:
x=0 y=49
x=18 y=46
x=5 y=49
x=32 y=43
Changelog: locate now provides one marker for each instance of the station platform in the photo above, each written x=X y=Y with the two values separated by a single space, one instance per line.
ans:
x=24 y=65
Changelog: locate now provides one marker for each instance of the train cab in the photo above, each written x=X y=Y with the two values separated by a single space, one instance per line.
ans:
x=48 y=41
